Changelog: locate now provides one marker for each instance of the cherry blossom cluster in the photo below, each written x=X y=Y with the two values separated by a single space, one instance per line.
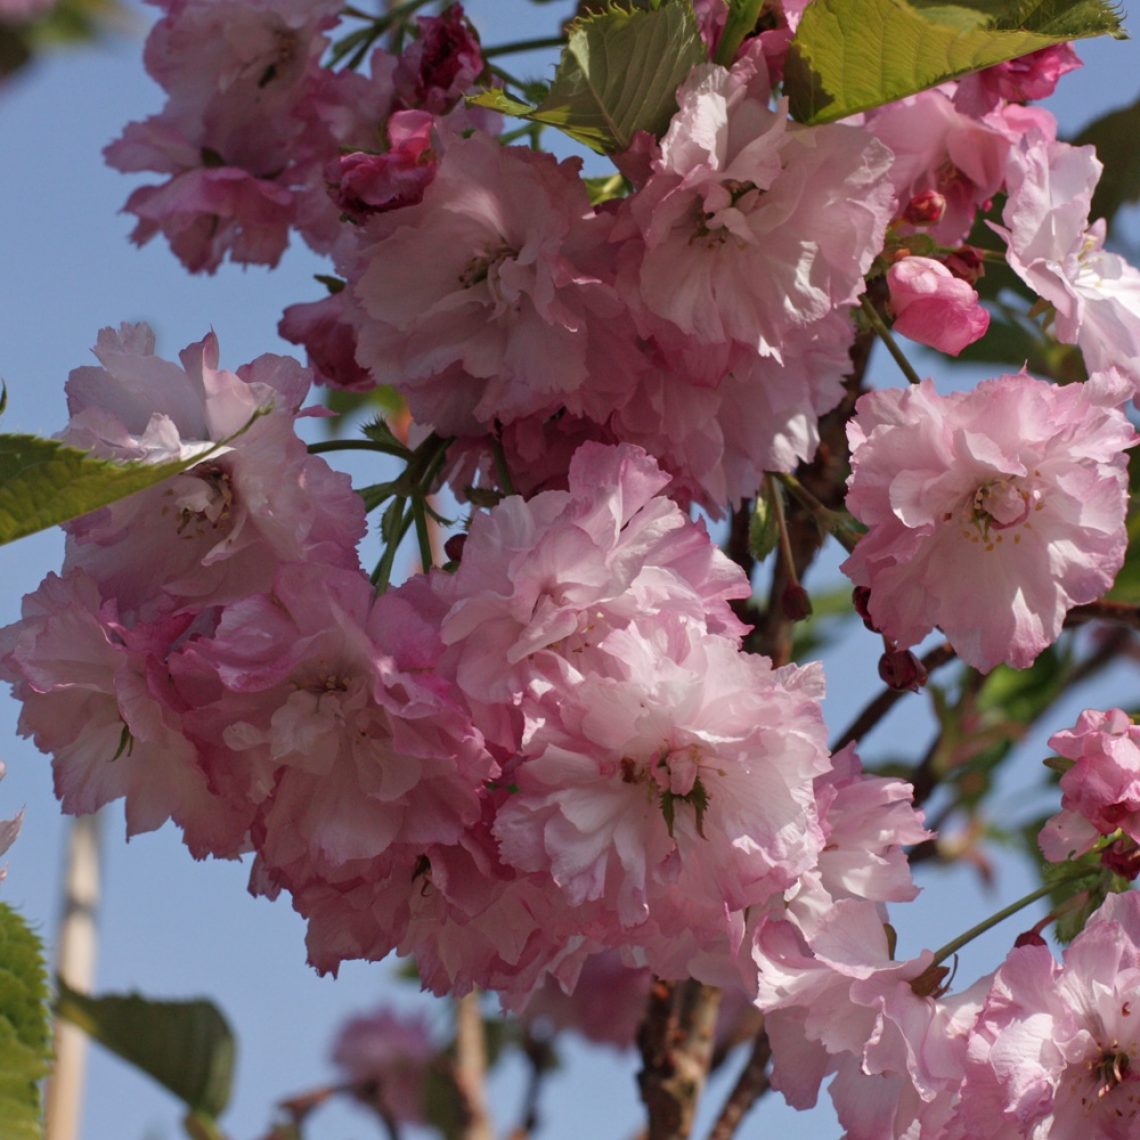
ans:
x=553 y=763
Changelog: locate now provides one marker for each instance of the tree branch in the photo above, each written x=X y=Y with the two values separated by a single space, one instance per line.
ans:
x=676 y=1042
x=750 y=1086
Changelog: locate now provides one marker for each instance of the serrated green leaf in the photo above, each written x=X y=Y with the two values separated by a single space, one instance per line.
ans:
x=851 y=55
x=44 y=482
x=1114 y=136
x=25 y=1029
x=187 y=1046
x=618 y=75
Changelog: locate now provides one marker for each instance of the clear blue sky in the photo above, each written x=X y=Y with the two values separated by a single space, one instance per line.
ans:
x=171 y=927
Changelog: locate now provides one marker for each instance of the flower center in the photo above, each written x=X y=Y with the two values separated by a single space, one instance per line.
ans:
x=485 y=267
x=1003 y=504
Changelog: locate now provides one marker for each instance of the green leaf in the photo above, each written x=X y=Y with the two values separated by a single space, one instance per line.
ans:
x=44 y=482
x=1114 y=137
x=618 y=75
x=606 y=187
x=25 y=1029
x=851 y=55
x=187 y=1046
x=739 y=23
x=763 y=530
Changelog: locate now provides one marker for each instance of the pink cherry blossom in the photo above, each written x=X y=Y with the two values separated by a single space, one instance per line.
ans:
x=835 y=1002
x=551 y=575
x=1054 y=249
x=1056 y=1050
x=752 y=227
x=990 y=513
x=368 y=183
x=17 y=11
x=217 y=531
x=489 y=272
x=329 y=339
x=387 y=1058
x=934 y=307
x=234 y=77
x=97 y=697
x=441 y=63
x=1101 y=791
x=669 y=793
x=606 y=1005
x=867 y=822
x=1032 y=76
x=318 y=705
x=938 y=148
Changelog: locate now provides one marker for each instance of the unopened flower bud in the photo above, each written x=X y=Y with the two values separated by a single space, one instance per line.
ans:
x=795 y=602
x=1122 y=858
x=861 y=598
x=900 y=669
x=965 y=263
x=453 y=547
x=925 y=209
x=1028 y=938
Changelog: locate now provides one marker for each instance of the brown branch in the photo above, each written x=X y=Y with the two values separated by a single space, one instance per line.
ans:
x=471 y=1069
x=676 y=1042
x=937 y=657
x=750 y=1086
x=1119 y=613
x=1118 y=639
x=825 y=478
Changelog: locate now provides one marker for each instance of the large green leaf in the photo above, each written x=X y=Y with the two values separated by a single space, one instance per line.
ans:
x=187 y=1046
x=618 y=75
x=24 y=1027
x=1115 y=136
x=850 y=55
x=44 y=482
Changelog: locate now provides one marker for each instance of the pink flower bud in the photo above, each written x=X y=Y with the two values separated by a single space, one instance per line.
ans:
x=934 y=307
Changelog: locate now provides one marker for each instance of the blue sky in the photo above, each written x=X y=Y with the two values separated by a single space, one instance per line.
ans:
x=169 y=926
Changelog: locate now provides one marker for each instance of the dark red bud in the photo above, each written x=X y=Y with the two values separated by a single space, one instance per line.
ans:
x=925 y=209
x=795 y=603
x=1029 y=938
x=861 y=596
x=966 y=264
x=1122 y=858
x=900 y=669
x=453 y=547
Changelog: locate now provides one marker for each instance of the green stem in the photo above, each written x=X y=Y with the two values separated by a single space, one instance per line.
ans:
x=509 y=79
x=956 y=944
x=419 y=515
x=540 y=43
x=502 y=471
x=382 y=575
x=786 y=556
x=741 y=21
x=836 y=523
x=884 y=334
x=358 y=445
